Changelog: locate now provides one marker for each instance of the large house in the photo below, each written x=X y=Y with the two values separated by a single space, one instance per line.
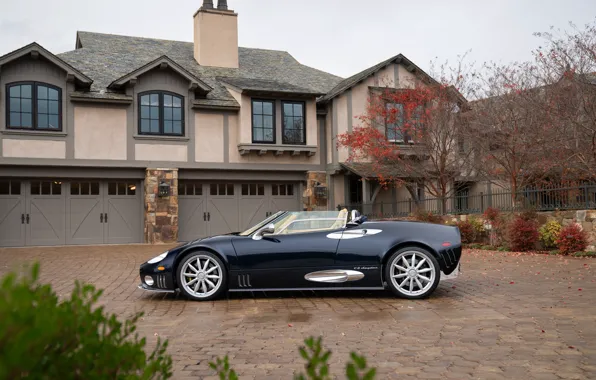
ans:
x=132 y=140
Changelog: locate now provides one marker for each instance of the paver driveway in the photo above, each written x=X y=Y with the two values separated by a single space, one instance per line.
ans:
x=508 y=316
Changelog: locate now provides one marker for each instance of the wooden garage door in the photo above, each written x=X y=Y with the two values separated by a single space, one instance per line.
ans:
x=12 y=213
x=103 y=212
x=207 y=209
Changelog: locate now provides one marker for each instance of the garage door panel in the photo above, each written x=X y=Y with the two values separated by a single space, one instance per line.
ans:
x=123 y=220
x=191 y=218
x=46 y=221
x=222 y=215
x=284 y=197
x=85 y=221
x=12 y=230
x=254 y=204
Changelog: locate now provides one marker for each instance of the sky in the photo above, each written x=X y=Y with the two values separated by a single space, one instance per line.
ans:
x=342 y=37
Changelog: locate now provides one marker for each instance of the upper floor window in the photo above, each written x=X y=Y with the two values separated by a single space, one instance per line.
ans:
x=161 y=113
x=293 y=123
x=400 y=127
x=263 y=121
x=34 y=105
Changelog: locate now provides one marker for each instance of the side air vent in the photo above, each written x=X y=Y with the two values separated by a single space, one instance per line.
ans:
x=160 y=281
x=244 y=281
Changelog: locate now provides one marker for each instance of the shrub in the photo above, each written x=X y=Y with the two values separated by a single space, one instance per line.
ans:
x=549 y=233
x=43 y=338
x=467 y=231
x=477 y=224
x=492 y=214
x=572 y=239
x=317 y=367
x=523 y=234
x=427 y=216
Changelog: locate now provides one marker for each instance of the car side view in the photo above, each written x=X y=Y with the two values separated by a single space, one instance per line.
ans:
x=311 y=250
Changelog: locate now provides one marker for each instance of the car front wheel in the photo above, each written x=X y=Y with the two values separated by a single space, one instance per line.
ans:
x=201 y=276
x=412 y=273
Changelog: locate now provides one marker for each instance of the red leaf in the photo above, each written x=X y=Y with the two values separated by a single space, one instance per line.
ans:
x=580 y=289
x=542 y=330
x=511 y=283
x=290 y=325
x=571 y=347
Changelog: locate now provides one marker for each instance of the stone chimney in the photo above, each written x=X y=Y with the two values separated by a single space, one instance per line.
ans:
x=216 y=35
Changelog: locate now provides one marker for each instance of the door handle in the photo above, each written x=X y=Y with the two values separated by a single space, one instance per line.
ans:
x=22 y=218
x=101 y=218
x=27 y=218
x=105 y=217
x=208 y=216
x=204 y=216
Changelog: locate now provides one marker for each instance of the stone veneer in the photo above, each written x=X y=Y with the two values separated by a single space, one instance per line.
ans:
x=309 y=201
x=161 y=213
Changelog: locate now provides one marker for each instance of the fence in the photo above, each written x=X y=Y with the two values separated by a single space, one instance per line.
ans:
x=540 y=199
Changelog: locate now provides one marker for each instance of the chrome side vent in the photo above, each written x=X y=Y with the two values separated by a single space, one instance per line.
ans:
x=160 y=281
x=244 y=281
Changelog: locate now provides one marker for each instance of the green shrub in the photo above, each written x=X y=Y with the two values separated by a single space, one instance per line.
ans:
x=44 y=338
x=477 y=224
x=549 y=233
x=317 y=367
x=572 y=239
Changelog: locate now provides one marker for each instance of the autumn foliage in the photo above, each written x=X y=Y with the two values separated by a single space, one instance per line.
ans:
x=523 y=234
x=572 y=239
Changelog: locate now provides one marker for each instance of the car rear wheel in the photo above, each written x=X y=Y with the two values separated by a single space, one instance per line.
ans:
x=412 y=273
x=201 y=276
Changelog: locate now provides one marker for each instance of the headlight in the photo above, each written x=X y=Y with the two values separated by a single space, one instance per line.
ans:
x=157 y=259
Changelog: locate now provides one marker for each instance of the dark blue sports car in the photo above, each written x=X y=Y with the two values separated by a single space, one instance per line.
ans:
x=311 y=250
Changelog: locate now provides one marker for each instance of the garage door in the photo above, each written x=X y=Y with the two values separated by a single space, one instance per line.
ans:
x=56 y=212
x=207 y=209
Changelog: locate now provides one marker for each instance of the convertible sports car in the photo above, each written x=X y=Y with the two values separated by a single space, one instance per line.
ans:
x=311 y=250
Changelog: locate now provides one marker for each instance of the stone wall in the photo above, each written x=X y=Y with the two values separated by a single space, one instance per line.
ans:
x=309 y=201
x=161 y=213
x=585 y=218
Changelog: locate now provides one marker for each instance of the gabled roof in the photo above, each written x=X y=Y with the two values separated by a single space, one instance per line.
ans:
x=108 y=58
x=249 y=85
x=35 y=48
x=352 y=81
x=163 y=61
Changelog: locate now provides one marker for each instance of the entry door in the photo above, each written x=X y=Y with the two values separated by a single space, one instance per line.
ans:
x=45 y=224
x=192 y=217
x=12 y=213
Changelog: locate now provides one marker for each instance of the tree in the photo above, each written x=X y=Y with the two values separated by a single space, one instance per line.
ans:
x=414 y=135
x=567 y=65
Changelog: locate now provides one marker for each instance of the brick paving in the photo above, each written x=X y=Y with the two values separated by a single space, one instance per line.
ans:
x=508 y=316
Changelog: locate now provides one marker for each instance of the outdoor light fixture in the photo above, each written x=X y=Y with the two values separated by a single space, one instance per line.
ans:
x=163 y=189
x=320 y=191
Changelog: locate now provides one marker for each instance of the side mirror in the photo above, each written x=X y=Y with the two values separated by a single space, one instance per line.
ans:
x=268 y=229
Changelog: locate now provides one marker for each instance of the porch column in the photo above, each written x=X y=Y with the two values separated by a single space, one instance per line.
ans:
x=161 y=212
x=366 y=201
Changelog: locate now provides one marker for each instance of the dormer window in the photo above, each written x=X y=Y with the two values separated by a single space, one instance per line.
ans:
x=33 y=105
x=161 y=113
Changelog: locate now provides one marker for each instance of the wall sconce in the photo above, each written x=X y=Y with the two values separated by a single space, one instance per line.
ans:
x=320 y=191
x=163 y=190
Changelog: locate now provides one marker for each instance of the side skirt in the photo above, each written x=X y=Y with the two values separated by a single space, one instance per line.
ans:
x=298 y=289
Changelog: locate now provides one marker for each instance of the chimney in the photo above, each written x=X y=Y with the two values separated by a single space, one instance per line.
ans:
x=216 y=35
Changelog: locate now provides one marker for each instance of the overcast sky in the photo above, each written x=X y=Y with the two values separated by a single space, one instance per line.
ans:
x=338 y=36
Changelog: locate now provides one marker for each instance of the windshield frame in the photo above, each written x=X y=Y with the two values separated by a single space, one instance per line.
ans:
x=258 y=226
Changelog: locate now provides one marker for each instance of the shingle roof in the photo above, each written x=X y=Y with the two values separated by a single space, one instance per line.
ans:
x=249 y=84
x=350 y=82
x=107 y=57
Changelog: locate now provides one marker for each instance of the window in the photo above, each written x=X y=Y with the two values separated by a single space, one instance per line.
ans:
x=46 y=187
x=284 y=190
x=293 y=131
x=190 y=188
x=253 y=189
x=161 y=113
x=221 y=189
x=84 y=188
x=263 y=121
x=33 y=105
x=395 y=122
x=10 y=187
x=122 y=188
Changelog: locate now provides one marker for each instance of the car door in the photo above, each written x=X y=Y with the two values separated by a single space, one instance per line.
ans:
x=282 y=261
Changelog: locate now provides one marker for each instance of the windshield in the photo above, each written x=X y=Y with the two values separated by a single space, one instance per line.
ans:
x=261 y=224
x=303 y=221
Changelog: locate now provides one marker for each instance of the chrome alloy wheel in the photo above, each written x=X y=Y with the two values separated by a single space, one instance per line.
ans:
x=412 y=273
x=201 y=276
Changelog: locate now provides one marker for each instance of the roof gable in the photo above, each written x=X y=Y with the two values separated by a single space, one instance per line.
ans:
x=36 y=49
x=162 y=62
x=352 y=81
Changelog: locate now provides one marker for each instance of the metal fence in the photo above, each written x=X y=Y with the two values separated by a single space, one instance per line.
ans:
x=545 y=198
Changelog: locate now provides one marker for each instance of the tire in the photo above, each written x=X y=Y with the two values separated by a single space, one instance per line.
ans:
x=210 y=280
x=409 y=284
